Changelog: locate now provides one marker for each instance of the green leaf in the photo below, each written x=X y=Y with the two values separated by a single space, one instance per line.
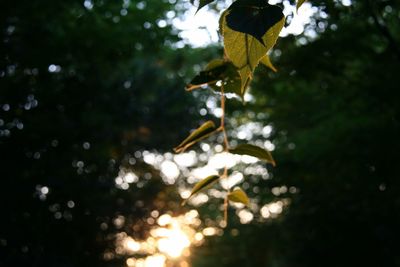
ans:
x=211 y=75
x=250 y=29
x=299 y=3
x=200 y=133
x=238 y=195
x=267 y=62
x=255 y=151
x=217 y=73
x=202 y=3
x=206 y=182
x=254 y=17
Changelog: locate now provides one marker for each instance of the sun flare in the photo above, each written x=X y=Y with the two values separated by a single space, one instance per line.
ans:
x=169 y=241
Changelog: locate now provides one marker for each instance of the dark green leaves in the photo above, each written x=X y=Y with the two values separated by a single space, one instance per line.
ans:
x=206 y=182
x=255 y=151
x=200 y=133
x=202 y=3
x=238 y=195
x=218 y=73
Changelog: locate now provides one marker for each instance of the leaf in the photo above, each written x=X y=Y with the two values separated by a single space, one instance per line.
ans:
x=202 y=3
x=206 y=182
x=250 y=29
x=208 y=76
x=238 y=195
x=200 y=133
x=299 y=3
x=267 y=62
x=218 y=72
x=255 y=151
x=254 y=17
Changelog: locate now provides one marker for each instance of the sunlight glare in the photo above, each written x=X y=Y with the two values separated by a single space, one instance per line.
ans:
x=201 y=29
x=157 y=260
x=132 y=245
x=168 y=243
x=174 y=244
x=170 y=171
x=220 y=160
x=164 y=219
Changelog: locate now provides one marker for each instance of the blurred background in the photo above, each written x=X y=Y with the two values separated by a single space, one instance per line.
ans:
x=92 y=102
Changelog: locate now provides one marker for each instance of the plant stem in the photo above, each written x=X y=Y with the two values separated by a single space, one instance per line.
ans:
x=226 y=211
x=226 y=149
x=226 y=143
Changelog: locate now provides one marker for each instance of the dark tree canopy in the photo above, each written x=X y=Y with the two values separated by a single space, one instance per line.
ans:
x=83 y=86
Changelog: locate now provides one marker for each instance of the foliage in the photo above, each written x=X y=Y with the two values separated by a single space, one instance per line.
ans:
x=250 y=28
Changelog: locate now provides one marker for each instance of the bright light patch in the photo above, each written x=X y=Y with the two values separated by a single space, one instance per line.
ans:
x=174 y=243
x=170 y=171
x=346 y=2
x=231 y=180
x=201 y=29
x=186 y=159
x=149 y=158
x=203 y=172
x=245 y=216
x=210 y=231
x=132 y=245
x=220 y=160
x=44 y=190
x=157 y=260
x=130 y=177
x=169 y=242
x=249 y=159
x=164 y=219
x=131 y=262
x=300 y=18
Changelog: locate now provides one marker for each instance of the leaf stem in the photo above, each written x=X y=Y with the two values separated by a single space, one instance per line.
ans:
x=226 y=149
x=226 y=211
x=226 y=143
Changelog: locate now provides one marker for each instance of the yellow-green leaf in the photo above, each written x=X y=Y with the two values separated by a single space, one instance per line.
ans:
x=267 y=62
x=200 y=133
x=254 y=17
x=299 y=3
x=255 y=151
x=205 y=183
x=250 y=29
x=238 y=195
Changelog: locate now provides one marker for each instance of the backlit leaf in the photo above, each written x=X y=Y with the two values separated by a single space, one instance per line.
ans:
x=238 y=195
x=255 y=151
x=254 y=17
x=200 y=133
x=206 y=182
x=299 y=3
x=267 y=62
x=217 y=73
x=250 y=28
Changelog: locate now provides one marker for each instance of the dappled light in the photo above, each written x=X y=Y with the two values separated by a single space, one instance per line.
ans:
x=169 y=241
x=201 y=29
